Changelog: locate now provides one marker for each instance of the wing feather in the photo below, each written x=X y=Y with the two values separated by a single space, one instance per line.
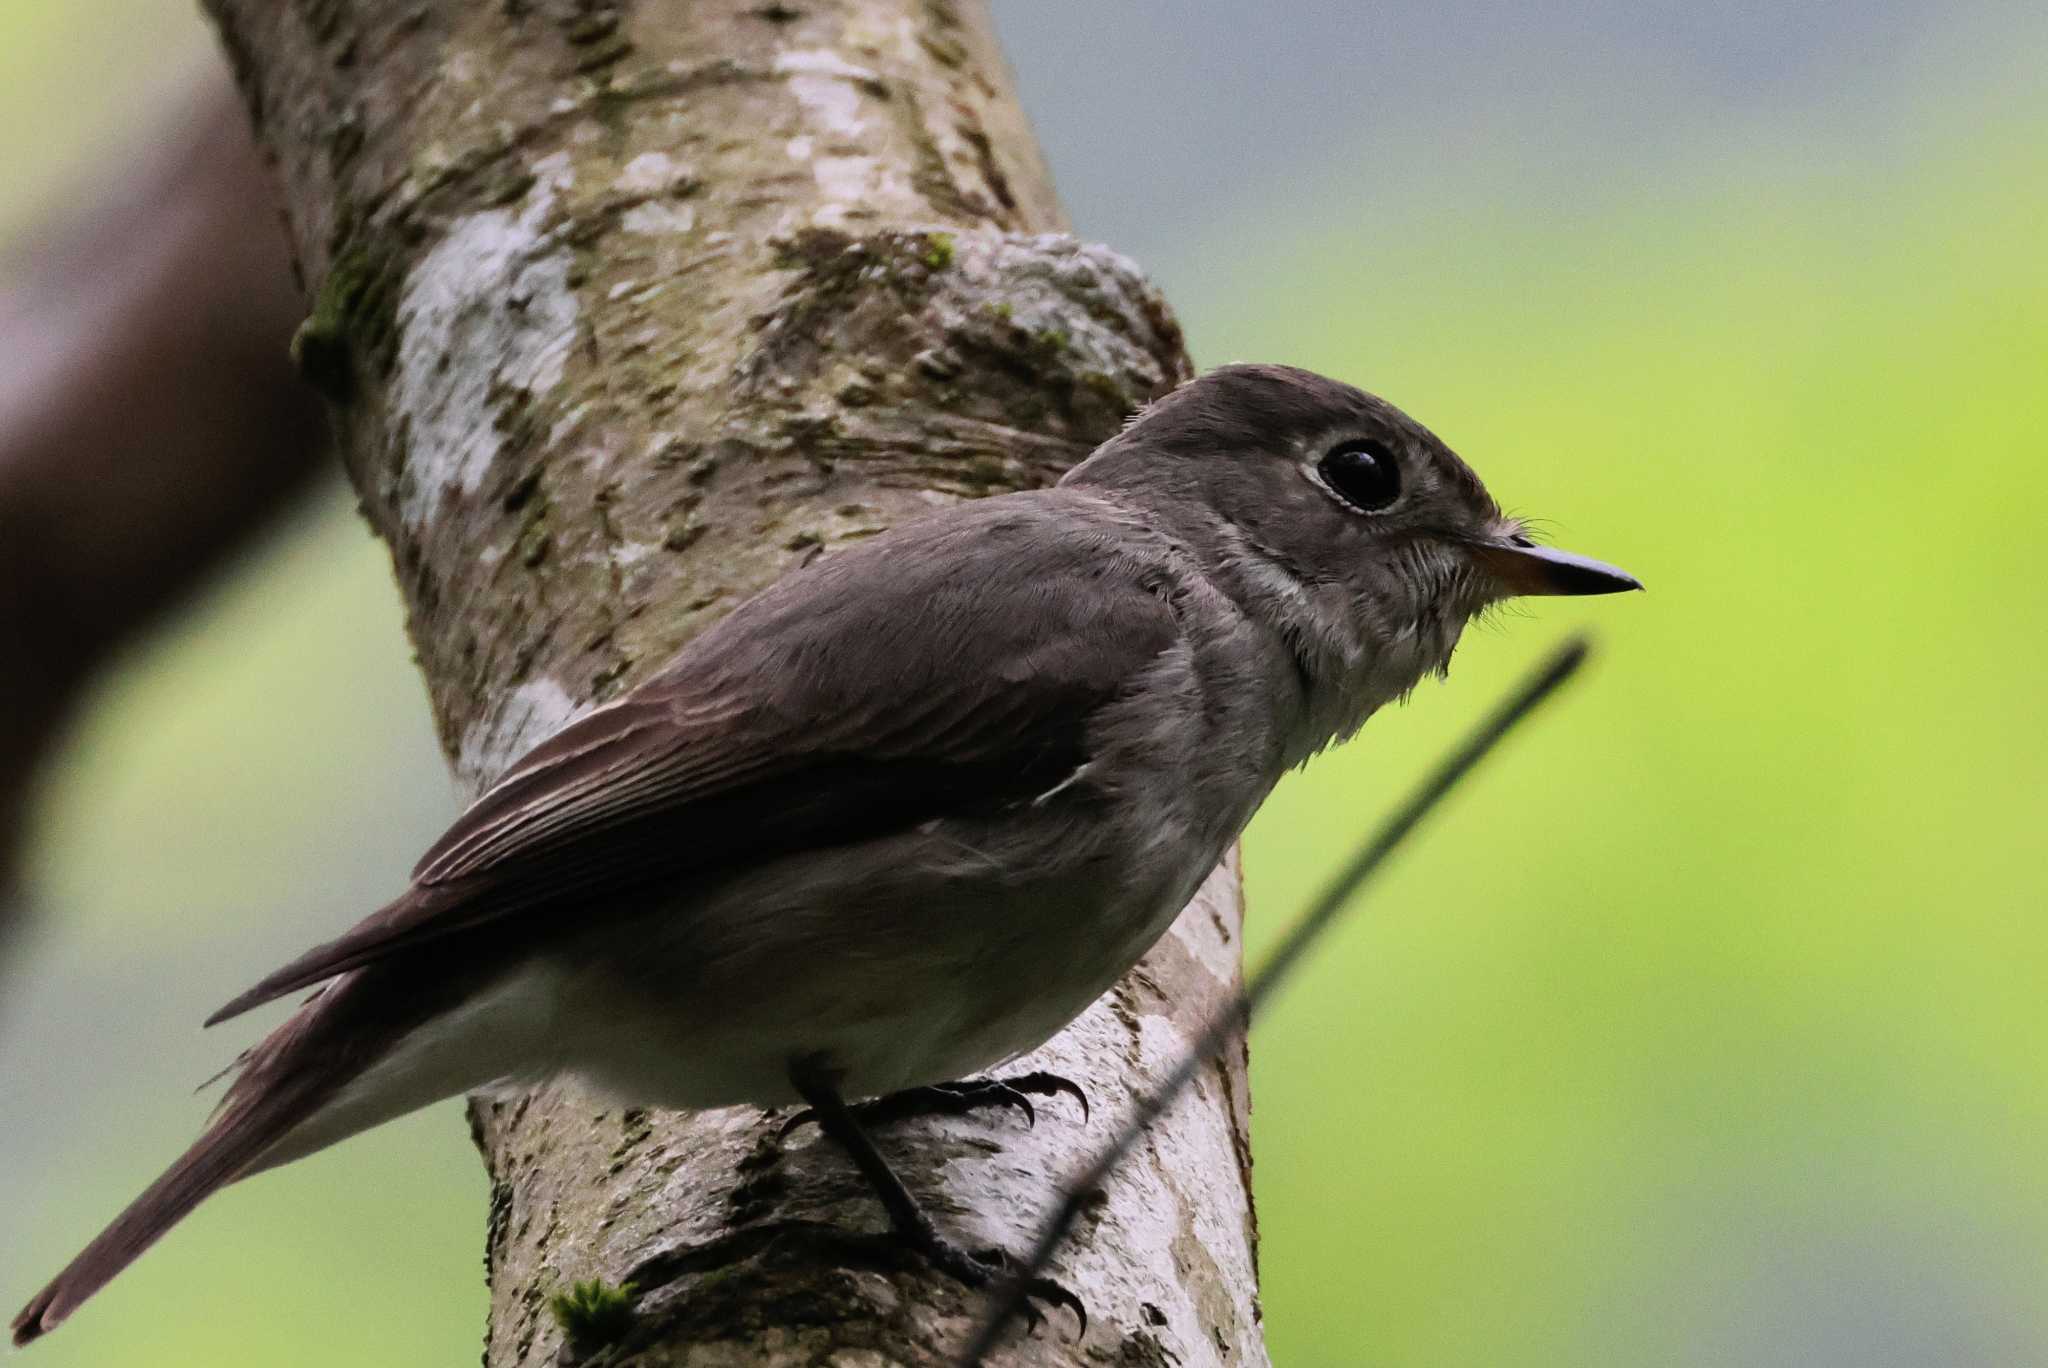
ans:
x=878 y=690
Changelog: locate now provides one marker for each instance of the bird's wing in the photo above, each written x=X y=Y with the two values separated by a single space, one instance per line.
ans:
x=893 y=683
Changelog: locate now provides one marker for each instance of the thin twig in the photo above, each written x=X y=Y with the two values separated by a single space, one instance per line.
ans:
x=1009 y=1299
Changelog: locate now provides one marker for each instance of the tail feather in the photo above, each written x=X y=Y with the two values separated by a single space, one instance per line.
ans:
x=283 y=1082
x=235 y=1140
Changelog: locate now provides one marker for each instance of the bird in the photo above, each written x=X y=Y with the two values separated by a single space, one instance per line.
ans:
x=904 y=814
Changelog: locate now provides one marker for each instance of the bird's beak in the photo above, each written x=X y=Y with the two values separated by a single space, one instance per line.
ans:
x=1523 y=567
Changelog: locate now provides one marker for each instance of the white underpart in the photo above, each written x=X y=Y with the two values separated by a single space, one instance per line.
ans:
x=489 y=305
x=503 y=1036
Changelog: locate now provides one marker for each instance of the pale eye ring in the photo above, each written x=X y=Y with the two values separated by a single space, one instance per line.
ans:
x=1363 y=474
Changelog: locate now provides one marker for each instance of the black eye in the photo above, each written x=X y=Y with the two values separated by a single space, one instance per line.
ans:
x=1364 y=474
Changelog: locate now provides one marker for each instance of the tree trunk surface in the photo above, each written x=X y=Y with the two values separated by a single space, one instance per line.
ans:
x=625 y=309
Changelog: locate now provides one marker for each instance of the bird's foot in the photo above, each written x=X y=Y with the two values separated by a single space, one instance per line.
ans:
x=911 y=1228
x=983 y=1268
x=958 y=1099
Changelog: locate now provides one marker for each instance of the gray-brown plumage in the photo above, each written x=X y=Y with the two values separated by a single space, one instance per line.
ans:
x=905 y=814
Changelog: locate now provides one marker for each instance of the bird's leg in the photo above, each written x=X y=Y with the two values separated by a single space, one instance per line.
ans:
x=956 y=1099
x=976 y=1268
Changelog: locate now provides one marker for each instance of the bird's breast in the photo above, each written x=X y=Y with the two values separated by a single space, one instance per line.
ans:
x=928 y=955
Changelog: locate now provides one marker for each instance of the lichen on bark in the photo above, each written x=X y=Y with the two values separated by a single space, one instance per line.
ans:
x=638 y=305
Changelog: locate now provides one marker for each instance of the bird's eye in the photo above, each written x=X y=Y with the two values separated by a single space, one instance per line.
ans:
x=1364 y=474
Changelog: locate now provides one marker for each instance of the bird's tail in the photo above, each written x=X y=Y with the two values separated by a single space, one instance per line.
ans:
x=283 y=1081
x=228 y=1147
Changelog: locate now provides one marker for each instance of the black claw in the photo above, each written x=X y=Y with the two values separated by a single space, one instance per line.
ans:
x=983 y=1268
x=1051 y=1085
x=913 y=1229
x=1050 y=1292
x=1038 y=1288
x=995 y=1092
x=955 y=1099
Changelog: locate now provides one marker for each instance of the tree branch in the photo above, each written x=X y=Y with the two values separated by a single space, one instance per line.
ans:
x=149 y=419
x=627 y=308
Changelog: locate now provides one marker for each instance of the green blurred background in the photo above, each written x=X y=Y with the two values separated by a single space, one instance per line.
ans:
x=1705 y=1028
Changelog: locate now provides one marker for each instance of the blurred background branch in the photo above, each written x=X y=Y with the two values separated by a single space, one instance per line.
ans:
x=150 y=419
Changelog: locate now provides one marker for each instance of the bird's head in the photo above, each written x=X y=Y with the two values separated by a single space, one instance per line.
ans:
x=1337 y=519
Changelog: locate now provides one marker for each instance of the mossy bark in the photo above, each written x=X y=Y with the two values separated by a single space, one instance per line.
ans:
x=626 y=308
